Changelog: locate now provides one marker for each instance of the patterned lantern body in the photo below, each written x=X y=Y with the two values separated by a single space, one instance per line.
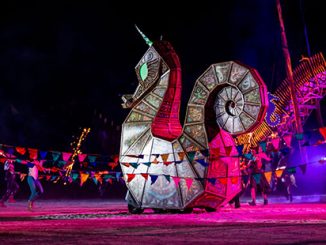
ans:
x=167 y=167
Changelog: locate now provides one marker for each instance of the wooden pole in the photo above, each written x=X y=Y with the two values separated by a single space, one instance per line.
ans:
x=289 y=73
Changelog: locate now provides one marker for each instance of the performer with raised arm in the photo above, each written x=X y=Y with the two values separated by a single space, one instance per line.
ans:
x=35 y=186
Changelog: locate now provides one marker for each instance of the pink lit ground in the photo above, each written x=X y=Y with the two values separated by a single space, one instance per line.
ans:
x=107 y=221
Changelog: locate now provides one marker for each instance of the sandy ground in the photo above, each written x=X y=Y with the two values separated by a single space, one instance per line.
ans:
x=108 y=221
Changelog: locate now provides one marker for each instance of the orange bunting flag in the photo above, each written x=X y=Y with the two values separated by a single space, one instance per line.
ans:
x=234 y=180
x=66 y=156
x=279 y=172
x=144 y=175
x=181 y=155
x=130 y=177
x=32 y=153
x=268 y=176
x=98 y=177
x=126 y=164
x=83 y=178
x=228 y=150
x=223 y=181
x=176 y=181
x=165 y=157
x=21 y=150
x=323 y=132
x=189 y=182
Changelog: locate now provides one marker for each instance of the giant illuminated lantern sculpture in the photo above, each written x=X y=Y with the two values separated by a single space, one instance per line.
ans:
x=167 y=166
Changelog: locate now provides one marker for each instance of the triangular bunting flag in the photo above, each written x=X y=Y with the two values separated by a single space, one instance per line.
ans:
x=275 y=143
x=299 y=136
x=189 y=182
x=202 y=162
x=240 y=149
x=167 y=163
x=55 y=155
x=234 y=180
x=167 y=177
x=178 y=162
x=228 y=150
x=43 y=154
x=153 y=178
x=66 y=156
x=144 y=175
x=82 y=157
x=48 y=177
x=91 y=159
x=98 y=177
x=32 y=153
x=268 y=176
x=211 y=180
x=181 y=155
x=223 y=181
x=164 y=157
x=176 y=181
x=113 y=165
x=148 y=164
x=288 y=139
x=21 y=150
x=257 y=178
x=83 y=178
x=323 y=132
x=191 y=155
x=279 y=173
x=263 y=145
x=156 y=155
x=74 y=176
x=248 y=156
x=130 y=177
x=117 y=175
x=134 y=165
x=303 y=168
x=155 y=161
x=125 y=164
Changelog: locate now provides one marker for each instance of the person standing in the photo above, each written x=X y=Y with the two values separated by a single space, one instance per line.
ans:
x=257 y=177
x=34 y=184
x=12 y=185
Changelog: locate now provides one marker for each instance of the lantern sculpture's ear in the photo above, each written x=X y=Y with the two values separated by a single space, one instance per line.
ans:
x=148 y=42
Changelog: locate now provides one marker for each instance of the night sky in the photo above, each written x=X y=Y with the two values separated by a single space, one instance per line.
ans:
x=65 y=65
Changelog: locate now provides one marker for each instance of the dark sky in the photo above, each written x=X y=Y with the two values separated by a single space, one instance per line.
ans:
x=65 y=65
